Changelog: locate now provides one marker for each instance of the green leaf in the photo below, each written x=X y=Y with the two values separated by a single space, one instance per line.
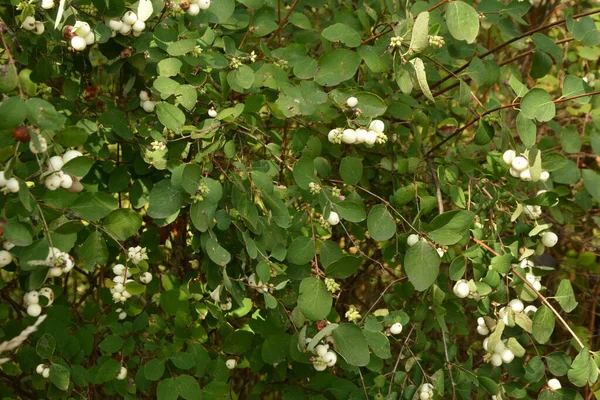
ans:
x=337 y=67
x=154 y=369
x=527 y=130
x=573 y=86
x=180 y=47
x=43 y=114
x=45 y=346
x=188 y=387
x=350 y=211
x=344 y=267
x=422 y=265
x=585 y=31
x=169 y=67
x=241 y=78
x=462 y=21
x=591 y=180
x=448 y=228
x=583 y=371
x=221 y=11
x=351 y=169
x=218 y=254
x=419 y=40
x=111 y=344
x=71 y=136
x=12 y=112
x=330 y=252
x=108 y=371
x=380 y=223
x=301 y=250
x=79 y=166
x=123 y=223
x=167 y=390
x=379 y=344
x=543 y=324
x=183 y=360
x=422 y=77
x=170 y=116
x=17 y=234
x=135 y=288
x=342 y=33
x=165 y=200
x=537 y=104
x=370 y=104
x=94 y=206
x=351 y=345
x=565 y=296
x=116 y=121
x=60 y=376
x=314 y=300
x=304 y=172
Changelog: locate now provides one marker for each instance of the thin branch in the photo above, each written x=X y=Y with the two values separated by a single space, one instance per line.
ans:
x=283 y=22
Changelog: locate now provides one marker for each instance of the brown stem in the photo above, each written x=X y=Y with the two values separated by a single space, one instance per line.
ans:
x=283 y=22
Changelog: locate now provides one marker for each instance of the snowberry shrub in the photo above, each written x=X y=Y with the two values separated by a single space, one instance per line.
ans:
x=300 y=200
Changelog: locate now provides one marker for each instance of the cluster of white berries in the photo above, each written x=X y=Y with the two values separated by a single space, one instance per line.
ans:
x=10 y=185
x=43 y=370
x=436 y=41
x=323 y=356
x=396 y=328
x=59 y=262
x=195 y=6
x=32 y=300
x=137 y=254
x=516 y=306
x=80 y=35
x=374 y=134
x=128 y=23
x=530 y=276
x=482 y=327
x=426 y=391
x=58 y=178
x=519 y=166
x=533 y=212
x=119 y=294
x=30 y=24
x=145 y=102
x=500 y=353
x=413 y=238
x=231 y=363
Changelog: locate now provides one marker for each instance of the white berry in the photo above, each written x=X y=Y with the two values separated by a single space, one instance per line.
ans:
x=507 y=356
x=483 y=330
x=412 y=239
x=115 y=24
x=320 y=350
x=144 y=95
x=334 y=218
x=119 y=269
x=516 y=305
x=212 y=113
x=90 y=39
x=148 y=106
x=554 y=384
x=46 y=373
x=544 y=176
x=525 y=175
x=78 y=43
x=231 y=363
x=47 y=4
x=139 y=26
x=377 y=126
x=12 y=185
x=40 y=368
x=5 y=258
x=125 y=29
x=519 y=163
x=352 y=102
x=43 y=146
x=193 y=10
x=129 y=18
x=55 y=163
x=146 y=277
x=122 y=374
x=514 y=173
x=32 y=297
x=39 y=28
x=371 y=137
x=122 y=315
x=509 y=156
x=361 y=135
x=549 y=239
x=66 y=181
x=47 y=293
x=28 y=23
x=396 y=328
x=349 y=136
x=82 y=29
x=52 y=182
x=496 y=360
x=33 y=310
x=203 y=4
x=330 y=358
x=461 y=289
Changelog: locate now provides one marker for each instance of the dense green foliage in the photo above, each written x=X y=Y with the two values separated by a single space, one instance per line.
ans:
x=312 y=200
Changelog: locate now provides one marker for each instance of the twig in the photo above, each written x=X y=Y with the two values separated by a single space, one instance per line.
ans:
x=448 y=363
x=283 y=22
x=412 y=327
